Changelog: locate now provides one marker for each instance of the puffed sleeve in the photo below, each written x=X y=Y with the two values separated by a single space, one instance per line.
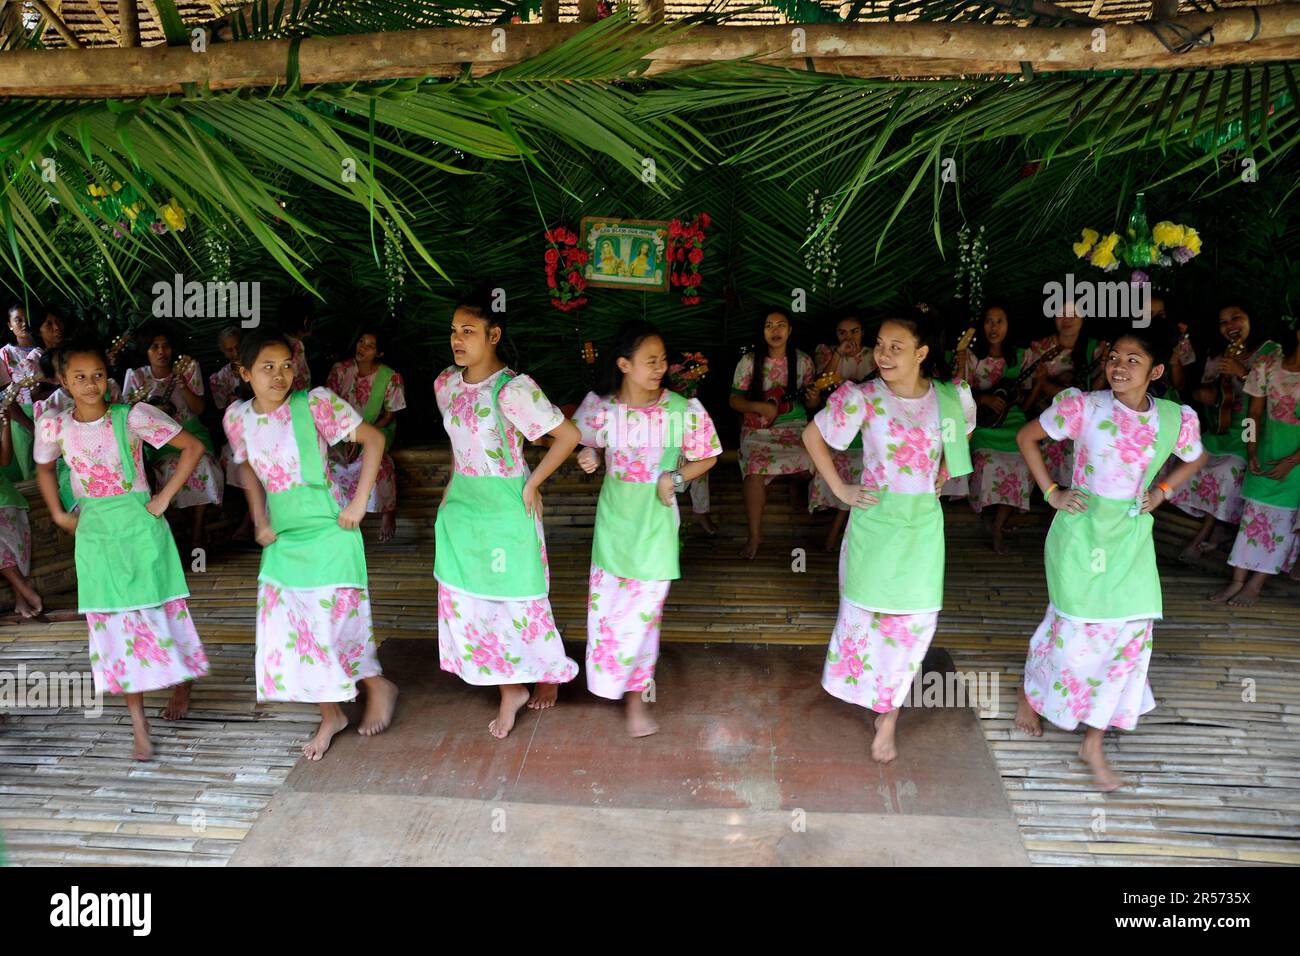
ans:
x=591 y=420
x=1064 y=417
x=334 y=418
x=150 y=424
x=699 y=437
x=526 y=406
x=842 y=418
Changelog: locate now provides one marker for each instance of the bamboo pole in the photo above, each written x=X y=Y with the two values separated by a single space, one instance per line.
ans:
x=109 y=23
x=128 y=19
x=937 y=49
x=54 y=20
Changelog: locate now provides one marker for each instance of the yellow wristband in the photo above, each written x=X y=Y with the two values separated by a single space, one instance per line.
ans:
x=1048 y=493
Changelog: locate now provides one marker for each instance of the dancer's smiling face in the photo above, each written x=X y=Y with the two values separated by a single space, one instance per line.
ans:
x=1130 y=367
x=271 y=374
x=898 y=352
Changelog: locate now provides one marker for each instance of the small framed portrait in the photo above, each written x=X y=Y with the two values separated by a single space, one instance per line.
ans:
x=625 y=253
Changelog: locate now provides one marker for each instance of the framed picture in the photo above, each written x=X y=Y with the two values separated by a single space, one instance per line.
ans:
x=625 y=253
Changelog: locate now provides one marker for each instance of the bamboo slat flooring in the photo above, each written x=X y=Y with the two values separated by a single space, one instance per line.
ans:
x=1213 y=774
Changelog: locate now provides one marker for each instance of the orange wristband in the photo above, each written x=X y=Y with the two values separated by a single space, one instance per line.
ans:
x=1164 y=486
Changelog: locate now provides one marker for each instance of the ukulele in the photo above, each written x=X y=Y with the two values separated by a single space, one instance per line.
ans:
x=1011 y=392
x=12 y=390
x=115 y=347
x=1221 y=410
x=146 y=393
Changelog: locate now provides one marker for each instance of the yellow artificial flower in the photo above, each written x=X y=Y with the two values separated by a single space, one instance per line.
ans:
x=174 y=215
x=1192 y=240
x=1104 y=253
x=1168 y=234
x=1090 y=237
x=96 y=190
x=117 y=187
x=132 y=211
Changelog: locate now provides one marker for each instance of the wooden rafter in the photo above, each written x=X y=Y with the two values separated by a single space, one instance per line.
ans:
x=863 y=49
x=128 y=18
x=54 y=20
x=109 y=23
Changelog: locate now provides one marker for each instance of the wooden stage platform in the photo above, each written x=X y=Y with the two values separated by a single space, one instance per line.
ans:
x=1212 y=776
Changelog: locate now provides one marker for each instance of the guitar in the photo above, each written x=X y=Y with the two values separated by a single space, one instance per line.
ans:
x=115 y=347
x=146 y=393
x=778 y=396
x=1010 y=391
x=13 y=389
x=1220 y=413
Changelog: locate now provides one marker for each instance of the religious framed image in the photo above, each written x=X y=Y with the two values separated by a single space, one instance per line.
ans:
x=625 y=253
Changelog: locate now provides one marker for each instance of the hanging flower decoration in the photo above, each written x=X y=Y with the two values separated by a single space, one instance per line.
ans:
x=972 y=265
x=684 y=377
x=821 y=255
x=394 y=268
x=564 y=262
x=1168 y=244
x=685 y=253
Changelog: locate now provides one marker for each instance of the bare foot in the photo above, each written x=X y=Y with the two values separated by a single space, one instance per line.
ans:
x=513 y=697
x=706 y=524
x=179 y=705
x=882 y=745
x=381 y=701
x=315 y=748
x=1095 y=757
x=1190 y=554
x=1027 y=718
x=1247 y=596
x=1219 y=597
x=639 y=721
x=143 y=746
x=750 y=549
x=999 y=545
x=22 y=608
x=544 y=695
x=387 y=527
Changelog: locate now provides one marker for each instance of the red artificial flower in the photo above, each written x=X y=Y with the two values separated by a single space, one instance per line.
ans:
x=550 y=281
x=704 y=220
x=574 y=277
x=583 y=257
x=696 y=255
x=552 y=256
x=675 y=228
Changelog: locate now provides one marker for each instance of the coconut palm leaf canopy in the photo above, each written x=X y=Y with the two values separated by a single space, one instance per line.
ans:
x=381 y=155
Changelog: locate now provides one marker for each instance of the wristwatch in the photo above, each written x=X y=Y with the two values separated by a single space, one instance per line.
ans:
x=679 y=483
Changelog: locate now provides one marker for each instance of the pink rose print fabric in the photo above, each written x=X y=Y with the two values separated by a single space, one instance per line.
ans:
x=15 y=540
x=1093 y=674
x=313 y=644
x=873 y=657
x=224 y=385
x=345 y=459
x=487 y=642
x=778 y=449
x=207 y=483
x=133 y=652
x=90 y=448
x=848 y=464
x=624 y=614
x=15 y=365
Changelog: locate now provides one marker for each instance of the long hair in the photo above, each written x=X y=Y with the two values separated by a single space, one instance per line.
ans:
x=627 y=340
x=756 y=390
x=980 y=348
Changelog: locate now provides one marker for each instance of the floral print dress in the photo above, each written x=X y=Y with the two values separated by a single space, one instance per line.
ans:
x=874 y=657
x=848 y=463
x=313 y=644
x=624 y=614
x=997 y=477
x=482 y=640
x=16 y=363
x=345 y=459
x=778 y=449
x=1266 y=538
x=224 y=385
x=1058 y=455
x=148 y=648
x=1216 y=488
x=1095 y=672
x=207 y=484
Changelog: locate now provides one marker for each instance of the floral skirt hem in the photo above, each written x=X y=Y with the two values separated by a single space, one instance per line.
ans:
x=624 y=616
x=1266 y=539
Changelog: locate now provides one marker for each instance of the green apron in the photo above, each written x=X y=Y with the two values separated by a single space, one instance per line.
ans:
x=486 y=544
x=1279 y=439
x=11 y=497
x=895 y=558
x=310 y=550
x=1101 y=563
x=125 y=557
x=64 y=476
x=1003 y=438
x=22 y=467
x=195 y=427
x=636 y=535
x=375 y=404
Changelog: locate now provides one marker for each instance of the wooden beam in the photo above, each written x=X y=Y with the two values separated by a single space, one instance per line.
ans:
x=54 y=20
x=128 y=19
x=586 y=11
x=109 y=23
x=945 y=49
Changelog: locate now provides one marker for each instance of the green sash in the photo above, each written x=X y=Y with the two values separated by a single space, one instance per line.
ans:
x=952 y=422
x=64 y=476
x=1230 y=442
x=310 y=549
x=1101 y=563
x=485 y=542
x=195 y=427
x=125 y=557
x=1003 y=438
x=1279 y=439
x=636 y=535
x=375 y=404
x=895 y=558
x=22 y=467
